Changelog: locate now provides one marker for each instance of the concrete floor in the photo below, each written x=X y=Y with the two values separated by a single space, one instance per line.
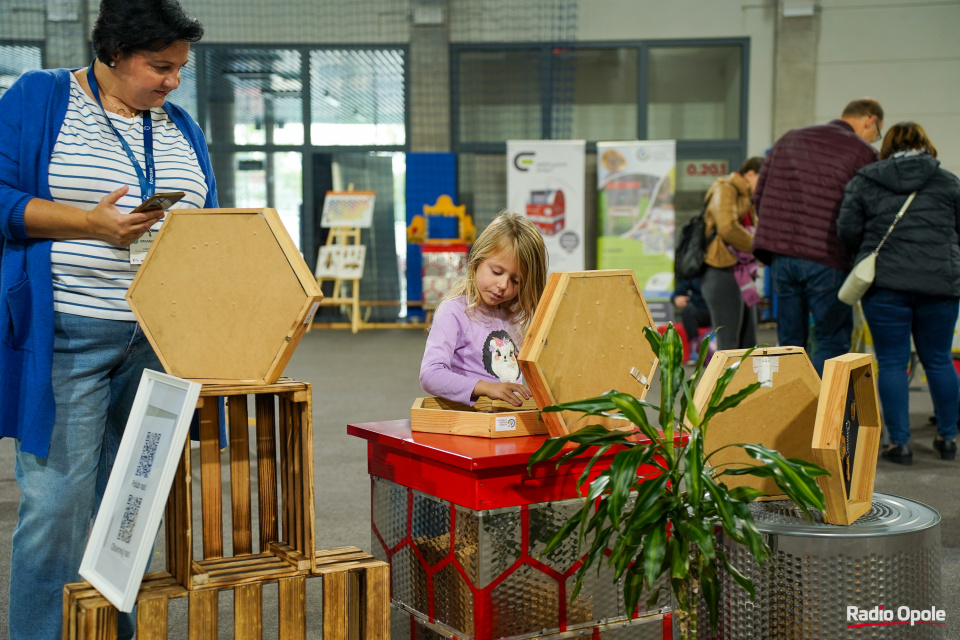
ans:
x=373 y=376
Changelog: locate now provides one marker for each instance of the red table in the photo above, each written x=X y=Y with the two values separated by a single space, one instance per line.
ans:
x=463 y=526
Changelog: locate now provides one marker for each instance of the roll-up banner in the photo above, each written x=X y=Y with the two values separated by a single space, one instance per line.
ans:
x=636 y=182
x=545 y=180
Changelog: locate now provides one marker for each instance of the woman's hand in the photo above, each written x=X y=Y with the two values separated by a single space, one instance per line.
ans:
x=511 y=392
x=107 y=223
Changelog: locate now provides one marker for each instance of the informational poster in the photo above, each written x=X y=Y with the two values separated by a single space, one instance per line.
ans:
x=545 y=180
x=636 y=182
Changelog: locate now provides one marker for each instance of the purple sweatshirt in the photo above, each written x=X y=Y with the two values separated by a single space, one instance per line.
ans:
x=464 y=348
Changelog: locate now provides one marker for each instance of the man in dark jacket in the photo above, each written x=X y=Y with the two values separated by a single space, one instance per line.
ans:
x=798 y=198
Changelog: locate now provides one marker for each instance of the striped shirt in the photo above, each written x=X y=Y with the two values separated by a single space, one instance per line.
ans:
x=91 y=277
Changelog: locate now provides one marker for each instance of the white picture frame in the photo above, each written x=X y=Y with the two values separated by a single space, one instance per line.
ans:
x=348 y=209
x=118 y=551
x=341 y=261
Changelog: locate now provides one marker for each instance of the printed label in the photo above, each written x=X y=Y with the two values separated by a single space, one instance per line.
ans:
x=505 y=424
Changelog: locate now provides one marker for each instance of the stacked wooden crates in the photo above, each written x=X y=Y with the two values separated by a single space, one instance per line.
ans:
x=182 y=275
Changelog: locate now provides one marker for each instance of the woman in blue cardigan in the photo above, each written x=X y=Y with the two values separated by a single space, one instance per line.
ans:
x=79 y=150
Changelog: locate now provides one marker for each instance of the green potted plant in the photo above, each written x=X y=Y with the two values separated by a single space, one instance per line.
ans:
x=670 y=526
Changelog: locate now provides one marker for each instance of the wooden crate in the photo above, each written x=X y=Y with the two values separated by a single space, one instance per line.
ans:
x=846 y=437
x=780 y=415
x=356 y=603
x=224 y=295
x=286 y=532
x=490 y=419
x=586 y=338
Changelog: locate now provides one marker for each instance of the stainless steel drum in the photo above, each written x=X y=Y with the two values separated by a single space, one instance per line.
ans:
x=824 y=581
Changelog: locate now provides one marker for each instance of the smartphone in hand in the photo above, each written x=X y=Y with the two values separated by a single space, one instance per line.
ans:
x=160 y=201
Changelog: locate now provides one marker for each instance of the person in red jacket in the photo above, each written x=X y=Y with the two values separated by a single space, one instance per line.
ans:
x=798 y=198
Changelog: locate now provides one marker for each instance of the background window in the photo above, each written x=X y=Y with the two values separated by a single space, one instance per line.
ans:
x=14 y=60
x=694 y=93
x=595 y=94
x=500 y=96
x=357 y=97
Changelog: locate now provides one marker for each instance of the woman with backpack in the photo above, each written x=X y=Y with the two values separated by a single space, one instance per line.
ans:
x=728 y=282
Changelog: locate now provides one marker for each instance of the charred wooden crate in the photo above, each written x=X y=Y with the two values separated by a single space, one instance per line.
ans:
x=356 y=604
x=283 y=543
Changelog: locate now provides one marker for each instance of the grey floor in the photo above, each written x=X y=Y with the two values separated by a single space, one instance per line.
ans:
x=372 y=376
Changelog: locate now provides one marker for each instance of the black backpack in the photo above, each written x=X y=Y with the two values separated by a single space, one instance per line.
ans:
x=692 y=243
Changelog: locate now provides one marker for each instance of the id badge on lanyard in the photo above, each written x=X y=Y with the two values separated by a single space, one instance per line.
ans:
x=145 y=175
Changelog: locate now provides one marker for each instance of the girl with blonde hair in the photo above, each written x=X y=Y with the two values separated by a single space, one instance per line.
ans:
x=477 y=331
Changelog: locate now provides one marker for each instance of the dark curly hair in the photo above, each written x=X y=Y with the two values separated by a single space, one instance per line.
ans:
x=127 y=26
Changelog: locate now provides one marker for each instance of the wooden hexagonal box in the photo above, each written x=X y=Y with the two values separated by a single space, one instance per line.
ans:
x=846 y=438
x=224 y=295
x=586 y=338
x=780 y=415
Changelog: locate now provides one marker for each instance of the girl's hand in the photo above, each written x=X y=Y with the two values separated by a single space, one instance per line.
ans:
x=107 y=223
x=511 y=392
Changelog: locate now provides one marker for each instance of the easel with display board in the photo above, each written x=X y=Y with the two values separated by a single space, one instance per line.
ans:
x=340 y=260
x=198 y=267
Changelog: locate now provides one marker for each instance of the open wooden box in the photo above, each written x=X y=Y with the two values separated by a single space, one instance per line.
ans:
x=846 y=437
x=224 y=295
x=780 y=415
x=486 y=419
x=585 y=338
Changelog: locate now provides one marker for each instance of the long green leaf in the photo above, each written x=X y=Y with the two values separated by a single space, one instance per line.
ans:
x=724 y=380
x=710 y=584
x=633 y=587
x=679 y=557
x=730 y=401
x=792 y=479
x=654 y=549
x=632 y=410
x=693 y=468
x=623 y=474
x=745 y=583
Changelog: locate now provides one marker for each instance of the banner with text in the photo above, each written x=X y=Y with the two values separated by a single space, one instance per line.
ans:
x=636 y=182
x=545 y=180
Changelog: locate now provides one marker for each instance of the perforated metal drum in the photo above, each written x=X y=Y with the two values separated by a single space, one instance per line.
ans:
x=888 y=562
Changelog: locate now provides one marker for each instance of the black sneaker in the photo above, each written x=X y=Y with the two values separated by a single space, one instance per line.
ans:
x=898 y=453
x=947 y=448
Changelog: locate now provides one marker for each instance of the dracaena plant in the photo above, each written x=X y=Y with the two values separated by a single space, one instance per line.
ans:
x=670 y=526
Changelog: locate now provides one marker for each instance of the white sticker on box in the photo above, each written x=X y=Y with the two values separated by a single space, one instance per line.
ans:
x=508 y=423
x=765 y=367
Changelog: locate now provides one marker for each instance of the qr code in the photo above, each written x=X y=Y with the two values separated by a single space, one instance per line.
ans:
x=129 y=520
x=147 y=455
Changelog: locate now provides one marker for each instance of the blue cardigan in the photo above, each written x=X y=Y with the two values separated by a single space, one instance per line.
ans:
x=31 y=115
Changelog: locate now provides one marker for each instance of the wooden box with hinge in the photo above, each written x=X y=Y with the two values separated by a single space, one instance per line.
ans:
x=846 y=436
x=224 y=296
x=586 y=338
x=780 y=415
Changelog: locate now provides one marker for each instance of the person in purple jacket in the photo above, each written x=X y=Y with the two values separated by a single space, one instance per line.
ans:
x=797 y=197
x=476 y=333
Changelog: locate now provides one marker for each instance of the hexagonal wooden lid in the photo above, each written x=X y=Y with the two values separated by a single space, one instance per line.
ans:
x=846 y=436
x=224 y=295
x=586 y=338
x=780 y=415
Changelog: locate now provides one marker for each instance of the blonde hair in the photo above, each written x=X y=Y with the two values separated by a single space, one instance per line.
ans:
x=508 y=232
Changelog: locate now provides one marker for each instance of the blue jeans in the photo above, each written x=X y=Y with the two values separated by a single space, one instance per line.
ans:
x=804 y=287
x=893 y=316
x=97 y=365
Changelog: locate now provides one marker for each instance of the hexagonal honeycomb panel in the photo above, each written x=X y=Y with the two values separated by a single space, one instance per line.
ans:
x=846 y=436
x=224 y=295
x=780 y=415
x=586 y=338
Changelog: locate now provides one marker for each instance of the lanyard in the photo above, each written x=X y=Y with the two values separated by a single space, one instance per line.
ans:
x=148 y=181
